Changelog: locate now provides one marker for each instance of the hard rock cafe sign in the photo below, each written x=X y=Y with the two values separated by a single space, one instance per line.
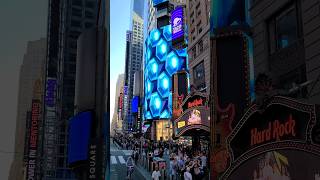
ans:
x=277 y=137
x=193 y=114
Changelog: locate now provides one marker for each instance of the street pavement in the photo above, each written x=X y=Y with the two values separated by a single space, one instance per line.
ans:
x=118 y=169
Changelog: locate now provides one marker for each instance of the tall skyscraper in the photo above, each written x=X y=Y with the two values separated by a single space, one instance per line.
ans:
x=66 y=21
x=30 y=71
x=126 y=78
x=116 y=119
x=135 y=54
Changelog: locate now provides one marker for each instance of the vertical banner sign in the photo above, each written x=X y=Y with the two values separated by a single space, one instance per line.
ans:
x=139 y=120
x=33 y=140
x=177 y=25
x=50 y=96
x=94 y=166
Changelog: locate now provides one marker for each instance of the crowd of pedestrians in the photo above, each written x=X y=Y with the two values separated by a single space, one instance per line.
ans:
x=184 y=162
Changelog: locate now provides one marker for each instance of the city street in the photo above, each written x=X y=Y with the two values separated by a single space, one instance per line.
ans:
x=118 y=159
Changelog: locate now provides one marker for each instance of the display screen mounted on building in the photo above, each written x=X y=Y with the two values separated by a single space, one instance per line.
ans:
x=195 y=115
x=161 y=62
x=177 y=23
x=156 y=2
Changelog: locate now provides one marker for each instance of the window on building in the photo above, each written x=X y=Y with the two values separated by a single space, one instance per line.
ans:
x=198 y=13
x=200 y=44
x=192 y=13
x=88 y=25
x=199 y=76
x=77 y=2
x=76 y=12
x=90 y=4
x=75 y=23
x=61 y=162
x=283 y=29
x=200 y=30
x=89 y=14
x=194 y=52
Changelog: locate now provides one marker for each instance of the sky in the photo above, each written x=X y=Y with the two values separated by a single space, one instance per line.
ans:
x=21 y=21
x=119 y=24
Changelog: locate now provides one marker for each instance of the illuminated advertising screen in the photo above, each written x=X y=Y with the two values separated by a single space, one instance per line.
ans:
x=79 y=135
x=162 y=61
x=135 y=104
x=194 y=118
x=33 y=139
x=228 y=13
x=177 y=23
x=156 y=2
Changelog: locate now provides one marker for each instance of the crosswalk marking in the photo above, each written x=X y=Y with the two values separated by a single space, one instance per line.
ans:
x=122 y=161
x=127 y=152
x=113 y=160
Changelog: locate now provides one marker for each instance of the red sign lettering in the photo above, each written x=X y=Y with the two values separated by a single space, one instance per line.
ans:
x=197 y=102
x=275 y=131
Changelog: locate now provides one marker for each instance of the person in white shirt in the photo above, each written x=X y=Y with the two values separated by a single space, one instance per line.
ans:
x=187 y=174
x=156 y=174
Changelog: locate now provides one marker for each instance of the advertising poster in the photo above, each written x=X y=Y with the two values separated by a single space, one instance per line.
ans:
x=280 y=165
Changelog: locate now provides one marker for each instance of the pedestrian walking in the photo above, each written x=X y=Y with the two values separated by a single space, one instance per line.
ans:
x=156 y=174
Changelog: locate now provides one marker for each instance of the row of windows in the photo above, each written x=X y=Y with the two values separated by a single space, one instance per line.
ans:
x=76 y=23
x=88 y=4
x=201 y=46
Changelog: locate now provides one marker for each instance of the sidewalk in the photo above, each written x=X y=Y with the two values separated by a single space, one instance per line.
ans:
x=142 y=171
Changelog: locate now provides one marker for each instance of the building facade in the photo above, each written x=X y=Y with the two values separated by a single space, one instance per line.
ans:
x=30 y=71
x=199 y=43
x=116 y=119
x=286 y=45
x=134 y=56
x=66 y=21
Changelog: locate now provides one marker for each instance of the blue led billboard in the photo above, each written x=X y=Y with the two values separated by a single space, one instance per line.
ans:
x=156 y=2
x=161 y=62
x=79 y=136
x=228 y=13
x=135 y=104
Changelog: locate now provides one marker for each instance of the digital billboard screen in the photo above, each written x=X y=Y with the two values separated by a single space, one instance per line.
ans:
x=79 y=135
x=177 y=23
x=194 y=118
x=135 y=104
x=161 y=62
x=156 y=2
x=228 y=13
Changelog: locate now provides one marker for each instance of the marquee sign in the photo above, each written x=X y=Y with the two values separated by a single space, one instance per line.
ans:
x=282 y=136
x=195 y=100
x=195 y=118
x=195 y=114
